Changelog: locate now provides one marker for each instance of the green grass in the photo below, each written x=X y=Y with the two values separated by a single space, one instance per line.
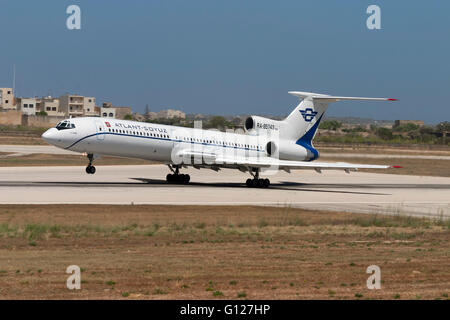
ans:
x=159 y=291
x=217 y=293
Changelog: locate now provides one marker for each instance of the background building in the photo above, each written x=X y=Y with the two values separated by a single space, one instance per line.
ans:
x=89 y=107
x=118 y=112
x=7 y=99
x=51 y=106
x=170 y=114
x=27 y=105
x=77 y=106
x=72 y=105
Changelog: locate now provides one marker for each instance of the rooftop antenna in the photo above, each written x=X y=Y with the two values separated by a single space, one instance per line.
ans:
x=14 y=79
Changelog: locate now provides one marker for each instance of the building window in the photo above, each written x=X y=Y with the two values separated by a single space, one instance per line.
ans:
x=25 y=105
x=53 y=108
x=70 y=108
x=105 y=114
x=88 y=110
x=9 y=92
x=31 y=105
x=48 y=108
x=111 y=115
x=6 y=101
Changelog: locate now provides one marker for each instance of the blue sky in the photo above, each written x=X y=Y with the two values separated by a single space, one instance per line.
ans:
x=233 y=57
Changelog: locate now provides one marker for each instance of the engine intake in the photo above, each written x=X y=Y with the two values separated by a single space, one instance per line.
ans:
x=249 y=123
x=271 y=148
x=259 y=124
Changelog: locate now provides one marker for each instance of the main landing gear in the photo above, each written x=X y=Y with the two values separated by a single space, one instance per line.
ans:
x=90 y=169
x=256 y=182
x=176 y=177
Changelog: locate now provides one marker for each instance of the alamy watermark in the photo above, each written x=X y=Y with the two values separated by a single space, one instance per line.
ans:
x=74 y=280
x=373 y=22
x=73 y=22
x=374 y=281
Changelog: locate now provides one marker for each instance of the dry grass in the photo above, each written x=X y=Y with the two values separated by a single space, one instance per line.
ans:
x=435 y=150
x=191 y=252
x=416 y=167
x=38 y=159
x=21 y=139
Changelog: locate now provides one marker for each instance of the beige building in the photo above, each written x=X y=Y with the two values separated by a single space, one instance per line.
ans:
x=51 y=106
x=170 y=114
x=77 y=106
x=108 y=112
x=151 y=115
x=118 y=112
x=89 y=107
x=28 y=106
x=7 y=99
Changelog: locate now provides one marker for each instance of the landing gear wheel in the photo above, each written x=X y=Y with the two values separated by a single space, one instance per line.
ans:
x=185 y=178
x=90 y=169
x=178 y=178
x=258 y=183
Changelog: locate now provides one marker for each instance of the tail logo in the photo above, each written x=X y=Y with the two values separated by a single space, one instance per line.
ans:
x=308 y=114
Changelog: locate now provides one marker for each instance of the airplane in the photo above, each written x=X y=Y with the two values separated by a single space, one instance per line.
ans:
x=265 y=144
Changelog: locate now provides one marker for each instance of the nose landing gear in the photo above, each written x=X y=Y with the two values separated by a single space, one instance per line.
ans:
x=90 y=169
x=176 y=177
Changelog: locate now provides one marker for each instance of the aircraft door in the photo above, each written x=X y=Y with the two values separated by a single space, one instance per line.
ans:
x=101 y=129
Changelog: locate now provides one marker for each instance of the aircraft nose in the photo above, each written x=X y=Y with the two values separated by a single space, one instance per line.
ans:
x=50 y=135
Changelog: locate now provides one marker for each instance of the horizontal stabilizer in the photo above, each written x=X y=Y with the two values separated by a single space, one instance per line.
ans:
x=328 y=98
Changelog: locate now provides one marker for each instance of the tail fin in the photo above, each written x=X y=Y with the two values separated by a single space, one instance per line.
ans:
x=305 y=118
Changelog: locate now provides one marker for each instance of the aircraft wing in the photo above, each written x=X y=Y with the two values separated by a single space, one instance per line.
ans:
x=267 y=162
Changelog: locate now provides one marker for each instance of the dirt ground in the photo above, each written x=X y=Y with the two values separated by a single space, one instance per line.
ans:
x=207 y=252
x=415 y=167
x=38 y=159
x=21 y=139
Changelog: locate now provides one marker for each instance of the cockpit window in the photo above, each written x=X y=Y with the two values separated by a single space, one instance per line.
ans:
x=65 y=125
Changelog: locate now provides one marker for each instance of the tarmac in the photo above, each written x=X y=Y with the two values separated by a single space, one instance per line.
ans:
x=145 y=184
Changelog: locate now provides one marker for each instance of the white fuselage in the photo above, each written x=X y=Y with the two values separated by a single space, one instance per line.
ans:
x=104 y=136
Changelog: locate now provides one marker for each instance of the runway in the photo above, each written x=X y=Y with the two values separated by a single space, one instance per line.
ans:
x=331 y=190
